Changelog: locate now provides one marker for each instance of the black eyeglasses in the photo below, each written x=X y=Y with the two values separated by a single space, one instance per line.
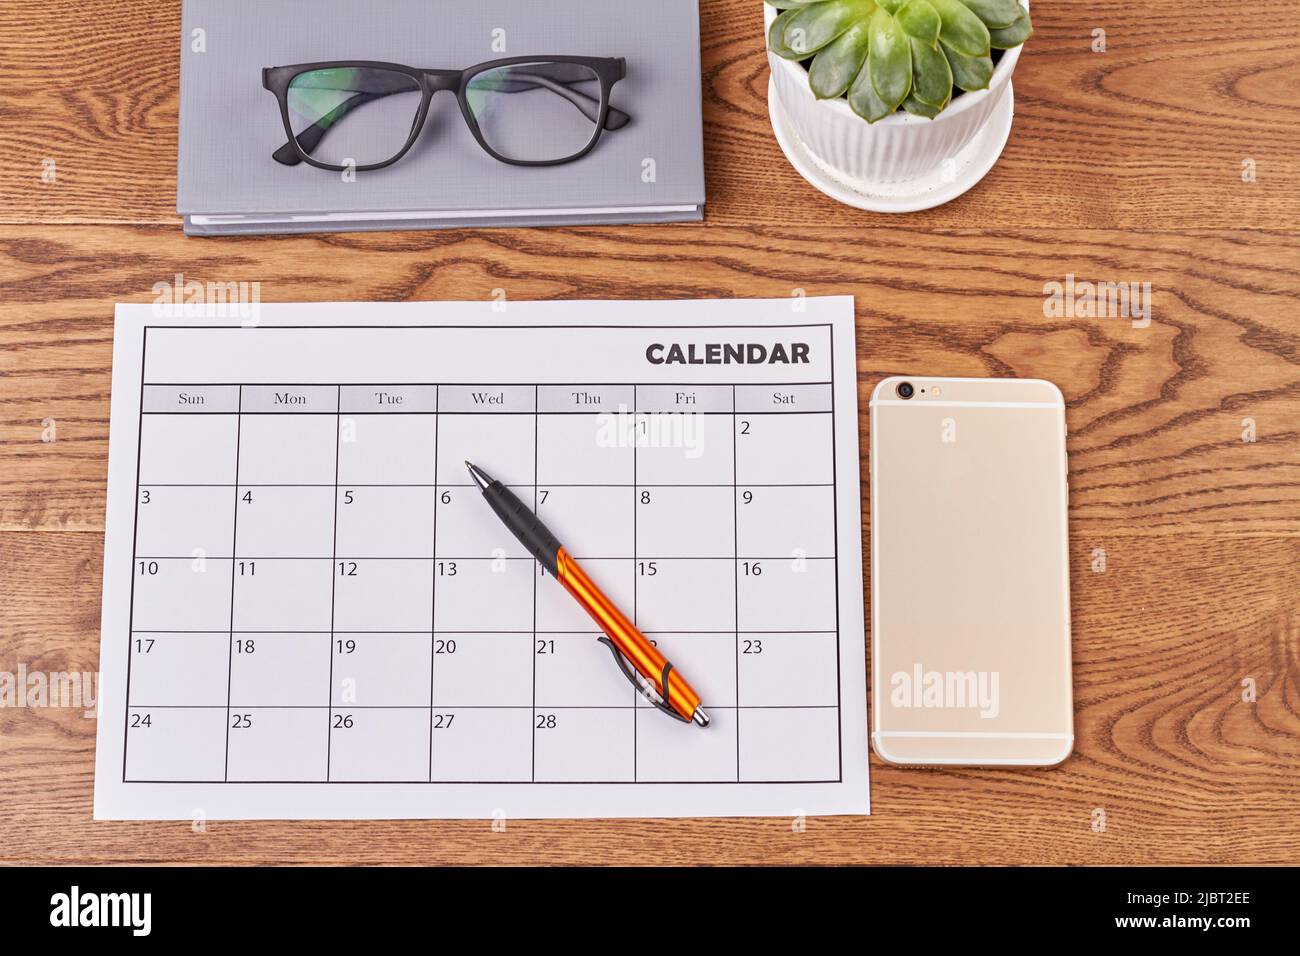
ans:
x=525 y=110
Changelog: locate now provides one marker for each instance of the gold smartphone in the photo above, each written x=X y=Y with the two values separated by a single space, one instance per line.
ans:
x=970 y=578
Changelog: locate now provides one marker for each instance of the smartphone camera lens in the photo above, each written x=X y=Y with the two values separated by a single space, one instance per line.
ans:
x=905 y=390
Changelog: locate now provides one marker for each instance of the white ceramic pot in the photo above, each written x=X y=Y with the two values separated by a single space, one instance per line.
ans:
x=897 y=148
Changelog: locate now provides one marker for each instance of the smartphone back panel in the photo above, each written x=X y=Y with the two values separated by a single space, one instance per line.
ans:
x=970 y=607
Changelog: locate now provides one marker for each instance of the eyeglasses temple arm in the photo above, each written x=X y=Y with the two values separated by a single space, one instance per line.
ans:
x=590 y=106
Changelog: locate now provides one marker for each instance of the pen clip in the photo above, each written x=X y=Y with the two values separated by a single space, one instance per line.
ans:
x=643 y=686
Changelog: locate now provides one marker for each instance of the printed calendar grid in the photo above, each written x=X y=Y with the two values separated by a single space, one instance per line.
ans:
x=637 y=707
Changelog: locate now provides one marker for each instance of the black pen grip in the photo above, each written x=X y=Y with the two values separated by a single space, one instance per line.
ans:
x=524 y=524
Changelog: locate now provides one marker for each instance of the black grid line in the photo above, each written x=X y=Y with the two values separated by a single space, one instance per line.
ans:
x=463 y=630
x=467 y=558
x=835 y=528
x=735 y=568
x=421 y=707
x=532 y=646
x=449 y=484
x=329 y=723
x=433 y=584
x=304 y=413
x=234 y=548
x=135 y=542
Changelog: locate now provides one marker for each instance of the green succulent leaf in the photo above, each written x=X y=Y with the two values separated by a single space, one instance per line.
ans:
x=931 y=75
x=920 y=108
x=776 y=36
x=863 y=99
x=889 y=54
x=961 y=29
x=1012 y=36
x=817 y=24
x=920 y=20
x=836 y=65
x=995 y=13
x=969 y=73
x=890 y=59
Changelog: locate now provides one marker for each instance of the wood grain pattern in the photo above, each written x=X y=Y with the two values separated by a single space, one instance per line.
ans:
x=1183 y=768
x=1151 y=133
x=1122 y=166
x=1155 y=414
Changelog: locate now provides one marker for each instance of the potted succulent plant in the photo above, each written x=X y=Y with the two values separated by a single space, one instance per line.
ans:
x=886 y=90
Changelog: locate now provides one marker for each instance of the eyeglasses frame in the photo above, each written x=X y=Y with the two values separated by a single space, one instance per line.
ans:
x=609 y=70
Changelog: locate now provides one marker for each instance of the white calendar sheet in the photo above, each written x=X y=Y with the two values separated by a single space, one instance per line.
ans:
x=310 y=612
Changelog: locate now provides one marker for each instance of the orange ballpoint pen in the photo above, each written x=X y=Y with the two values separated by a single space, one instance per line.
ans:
x=631 y=649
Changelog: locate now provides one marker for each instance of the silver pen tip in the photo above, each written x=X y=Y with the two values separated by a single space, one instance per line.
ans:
x=480 y=477
x=700 y=717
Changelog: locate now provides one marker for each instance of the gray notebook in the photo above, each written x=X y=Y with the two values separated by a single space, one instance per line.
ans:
x=650 y=169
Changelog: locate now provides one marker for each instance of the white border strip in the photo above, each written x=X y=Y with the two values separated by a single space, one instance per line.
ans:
x=926 y=403
x=235 y=219
x=1012 y=735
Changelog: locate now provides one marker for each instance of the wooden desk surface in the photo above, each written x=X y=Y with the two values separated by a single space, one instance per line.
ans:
x=1122 y=165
